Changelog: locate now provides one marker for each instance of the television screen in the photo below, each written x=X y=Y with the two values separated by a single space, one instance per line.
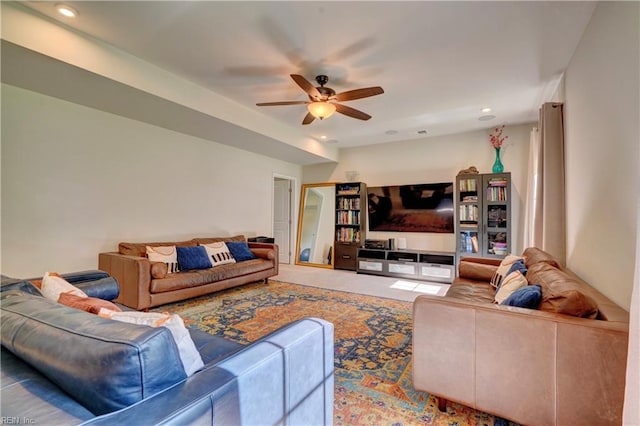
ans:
x=411 y=208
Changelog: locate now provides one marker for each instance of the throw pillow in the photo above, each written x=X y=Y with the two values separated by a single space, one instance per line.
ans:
x=53 y=285
x=511 y=283
x=165 y=254
x=518 y=265
x=189 y=355
x=240 y=250
x=219 y=253
x=525 y=297
x=502 y=270
x=88 y=304
x=193 y=258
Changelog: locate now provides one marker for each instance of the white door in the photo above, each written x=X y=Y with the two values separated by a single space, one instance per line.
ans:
x=282 y=217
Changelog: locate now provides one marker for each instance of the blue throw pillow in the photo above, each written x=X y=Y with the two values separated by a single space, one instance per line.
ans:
x=193 y=258
x=526 y=297
x=240 y=251
x=518 y=265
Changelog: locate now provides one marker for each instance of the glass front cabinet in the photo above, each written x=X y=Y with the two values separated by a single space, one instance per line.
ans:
x=483 y=215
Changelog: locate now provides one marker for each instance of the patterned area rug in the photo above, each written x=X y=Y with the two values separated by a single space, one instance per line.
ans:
x=372 y=347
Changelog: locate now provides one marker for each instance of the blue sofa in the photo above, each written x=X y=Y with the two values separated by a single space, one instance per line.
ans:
x=64 y=366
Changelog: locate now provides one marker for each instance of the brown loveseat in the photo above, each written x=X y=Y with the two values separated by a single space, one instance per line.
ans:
x=550 y=366
x=143 y=287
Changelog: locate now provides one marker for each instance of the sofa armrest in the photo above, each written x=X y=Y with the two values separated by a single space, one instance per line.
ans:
x=529 y=366
x=133 y=274
x=271 y=253
x=477 y=268
x=265 y=253
x=285 y=378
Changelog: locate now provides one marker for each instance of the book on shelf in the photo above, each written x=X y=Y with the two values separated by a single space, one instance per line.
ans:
x=349 y=204
x=499 y=182
x=348 y=189
x=496 y=193
x=348 y=217
x=468 y=185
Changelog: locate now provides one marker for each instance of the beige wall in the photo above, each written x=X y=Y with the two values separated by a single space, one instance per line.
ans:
x=76 y=181
x=430 y=160
x=602 y=143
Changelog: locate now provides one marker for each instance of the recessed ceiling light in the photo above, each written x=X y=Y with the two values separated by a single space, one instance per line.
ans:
x=486 y=117
x=323 y=137
x=67 y=11
x=486 y=110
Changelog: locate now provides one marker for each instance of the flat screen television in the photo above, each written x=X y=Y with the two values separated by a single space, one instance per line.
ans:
x=426 y=207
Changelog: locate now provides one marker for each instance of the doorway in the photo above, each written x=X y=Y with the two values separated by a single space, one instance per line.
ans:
x=282 y=215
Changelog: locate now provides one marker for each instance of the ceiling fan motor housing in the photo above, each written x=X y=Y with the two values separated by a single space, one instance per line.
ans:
x=326 y=92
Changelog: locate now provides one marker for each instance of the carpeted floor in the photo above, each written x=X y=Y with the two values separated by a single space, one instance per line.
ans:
x=372 y=347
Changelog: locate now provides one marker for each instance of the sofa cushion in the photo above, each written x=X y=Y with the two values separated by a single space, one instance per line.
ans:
x=219 y=253
x=165 y=254
x=25 y=392
x=140 y=249
x=503 y=269
x=240 y=251
x=209 y=240
x=525 y=297
x=205 y=276
x=561 y=293
x=510 y=284
x=193 y=258
x=533 y=255
x=474 y=291
x=87 y=304
x=105 y=365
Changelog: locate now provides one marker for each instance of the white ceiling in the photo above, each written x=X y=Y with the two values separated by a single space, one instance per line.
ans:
x=439 y=63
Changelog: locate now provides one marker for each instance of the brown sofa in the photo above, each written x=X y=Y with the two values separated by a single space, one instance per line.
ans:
x=141 y=287
x=550 y=366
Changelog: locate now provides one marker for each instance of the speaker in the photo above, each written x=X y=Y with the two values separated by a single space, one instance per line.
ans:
x=402 y=243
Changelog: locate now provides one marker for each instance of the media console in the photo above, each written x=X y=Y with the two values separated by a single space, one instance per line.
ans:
x=414 y=264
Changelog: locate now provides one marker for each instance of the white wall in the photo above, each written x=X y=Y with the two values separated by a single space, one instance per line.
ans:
x=430 y=160
x=76 y=181
x=602 y=143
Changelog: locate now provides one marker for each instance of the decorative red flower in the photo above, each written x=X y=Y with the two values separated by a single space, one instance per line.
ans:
x=496 y=137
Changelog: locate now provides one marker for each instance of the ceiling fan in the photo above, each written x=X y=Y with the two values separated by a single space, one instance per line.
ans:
x=323 y=100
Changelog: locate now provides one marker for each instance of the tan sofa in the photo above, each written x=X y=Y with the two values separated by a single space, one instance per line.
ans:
x=141 y=287
x=535 y=367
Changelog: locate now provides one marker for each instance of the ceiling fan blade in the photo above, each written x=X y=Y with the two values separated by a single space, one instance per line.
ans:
x=351 y=112
x=282 y=103
x=306 y=86
x=358 y=94
x=308 y=119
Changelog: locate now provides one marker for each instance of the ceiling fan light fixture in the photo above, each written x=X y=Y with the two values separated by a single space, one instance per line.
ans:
x=321 y=109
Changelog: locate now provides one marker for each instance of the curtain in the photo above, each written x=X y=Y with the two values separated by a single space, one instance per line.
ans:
x=631 y=411
x=545 y=216
x=532 y=215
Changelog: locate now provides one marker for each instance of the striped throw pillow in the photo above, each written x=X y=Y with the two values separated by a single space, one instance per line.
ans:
x=218 y=253
x=165 y=254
